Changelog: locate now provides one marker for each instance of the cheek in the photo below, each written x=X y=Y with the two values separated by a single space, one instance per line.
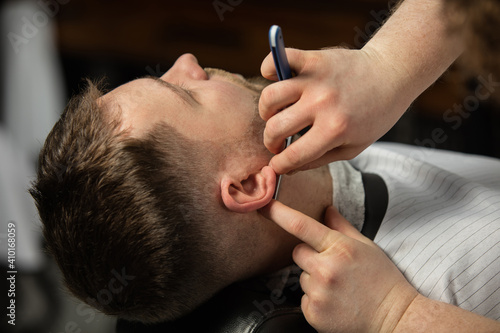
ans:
x=233 y=112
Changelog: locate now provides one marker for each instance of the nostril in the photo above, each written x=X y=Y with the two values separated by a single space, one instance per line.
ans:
x=186 y=67
x=203 y=75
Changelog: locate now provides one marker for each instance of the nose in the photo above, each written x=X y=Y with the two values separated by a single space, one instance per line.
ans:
x=185 y=67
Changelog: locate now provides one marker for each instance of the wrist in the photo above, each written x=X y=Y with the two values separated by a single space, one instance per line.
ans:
x=397 y=80
x=416 y=46
x=394 y=308
x=410 y=321
x=427 y=315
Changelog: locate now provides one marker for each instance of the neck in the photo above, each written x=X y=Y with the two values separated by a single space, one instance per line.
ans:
x=309 y=192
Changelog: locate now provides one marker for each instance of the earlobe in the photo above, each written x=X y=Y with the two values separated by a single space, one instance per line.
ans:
x=250 y=194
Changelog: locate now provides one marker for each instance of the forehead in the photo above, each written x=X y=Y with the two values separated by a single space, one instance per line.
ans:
x=136 y=104
x=129 y=92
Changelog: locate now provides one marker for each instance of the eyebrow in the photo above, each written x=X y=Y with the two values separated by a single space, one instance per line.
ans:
x=182 y=93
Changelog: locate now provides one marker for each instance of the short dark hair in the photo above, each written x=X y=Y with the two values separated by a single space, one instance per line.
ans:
x=124 y=217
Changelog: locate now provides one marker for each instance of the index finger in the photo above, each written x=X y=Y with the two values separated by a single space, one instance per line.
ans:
x=311 y=146
x=307 y=229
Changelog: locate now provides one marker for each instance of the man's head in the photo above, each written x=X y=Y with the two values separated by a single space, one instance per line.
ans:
x=148 y=194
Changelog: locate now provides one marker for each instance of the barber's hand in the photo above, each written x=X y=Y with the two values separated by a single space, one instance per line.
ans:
x=350 y=285
x=349 y=97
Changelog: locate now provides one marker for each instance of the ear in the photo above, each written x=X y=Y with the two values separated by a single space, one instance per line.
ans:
x=243 y=196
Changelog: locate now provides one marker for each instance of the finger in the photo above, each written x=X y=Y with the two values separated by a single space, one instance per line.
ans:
x=296 y=59
x=336 y=221
x=278 y=96
x=284 y=124
x=310 y=231
x=305 y=257
x=267 y=68
x=304 y=305
x=329 y=157
x=309 y=147
x=305 y=282
x=336 y=154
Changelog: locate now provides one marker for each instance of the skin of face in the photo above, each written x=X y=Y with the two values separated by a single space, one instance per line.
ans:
x=208 y=105
x=217 y=106
x=202 y=104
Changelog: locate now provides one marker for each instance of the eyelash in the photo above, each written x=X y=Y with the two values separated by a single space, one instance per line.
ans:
x=185 y=88
x=188 y=91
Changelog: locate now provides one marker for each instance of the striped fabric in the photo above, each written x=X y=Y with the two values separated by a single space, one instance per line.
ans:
x=442 y=226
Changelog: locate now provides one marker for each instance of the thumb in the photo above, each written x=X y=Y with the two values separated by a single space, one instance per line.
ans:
x=335 y=154
x=296 y=59
x=267 y=68
x=335 y=221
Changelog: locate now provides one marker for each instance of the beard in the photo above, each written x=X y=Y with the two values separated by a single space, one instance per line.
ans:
x=255 y=84
x=252 y=141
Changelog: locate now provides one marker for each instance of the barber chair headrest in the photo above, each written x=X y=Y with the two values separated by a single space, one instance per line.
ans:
x=248 y=307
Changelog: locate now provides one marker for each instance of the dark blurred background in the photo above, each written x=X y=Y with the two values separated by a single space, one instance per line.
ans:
x=126 y=39
x=49 y=46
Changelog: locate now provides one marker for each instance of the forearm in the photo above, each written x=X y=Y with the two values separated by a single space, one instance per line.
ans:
x=426 y=315
x=416 y=46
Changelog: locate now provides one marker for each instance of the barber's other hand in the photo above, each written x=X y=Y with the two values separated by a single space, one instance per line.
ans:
x=349 y=97
x=350 y=285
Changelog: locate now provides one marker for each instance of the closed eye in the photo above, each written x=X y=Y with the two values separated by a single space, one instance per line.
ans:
x=179 y=89
x=191 y=94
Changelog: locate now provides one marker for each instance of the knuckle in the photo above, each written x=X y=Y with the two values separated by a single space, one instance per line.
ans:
x=293 y=156
x=270 y=93
x=344 y=252
x=271 y=139
x=334 y=128
x=273 y=127
x=314 y=308
x=316 y=299
x=297 y=250
x=297 y=226
x=302 y=279
x=325 y=241
x=312 y=60
x=264 y=102
x=326 y=98
x=339 y=124
x=328 y=275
